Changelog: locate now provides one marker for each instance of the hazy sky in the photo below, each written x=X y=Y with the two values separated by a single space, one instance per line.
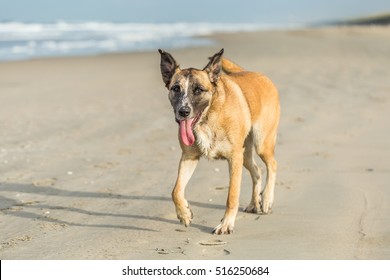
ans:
x=259 y=11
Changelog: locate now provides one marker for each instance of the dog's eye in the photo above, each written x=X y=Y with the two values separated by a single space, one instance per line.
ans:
x=198 y=90
x=176 y=89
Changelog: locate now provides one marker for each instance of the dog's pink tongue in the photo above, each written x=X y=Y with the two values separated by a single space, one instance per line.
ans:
x=186 y=134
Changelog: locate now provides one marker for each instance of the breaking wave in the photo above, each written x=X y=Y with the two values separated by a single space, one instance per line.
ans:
x=20 y=40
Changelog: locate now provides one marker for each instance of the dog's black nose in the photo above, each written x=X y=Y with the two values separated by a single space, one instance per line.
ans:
x=184 y=111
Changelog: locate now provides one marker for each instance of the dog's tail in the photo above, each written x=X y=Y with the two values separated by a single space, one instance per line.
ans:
x=230 y=67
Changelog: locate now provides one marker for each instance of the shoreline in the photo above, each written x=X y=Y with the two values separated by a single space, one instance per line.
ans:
x=358 y=24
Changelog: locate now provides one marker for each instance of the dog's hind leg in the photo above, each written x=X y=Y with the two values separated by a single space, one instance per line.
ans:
x=265 y=148
x=186 y=169
x=255 y=172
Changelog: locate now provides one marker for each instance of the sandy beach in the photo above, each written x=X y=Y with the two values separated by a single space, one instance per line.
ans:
x=89 y=154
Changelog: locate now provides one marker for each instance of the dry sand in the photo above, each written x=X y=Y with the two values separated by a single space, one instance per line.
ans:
x=89 y=153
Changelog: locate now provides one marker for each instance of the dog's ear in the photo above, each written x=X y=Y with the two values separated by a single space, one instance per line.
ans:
x=168 y=67
x=213 y=68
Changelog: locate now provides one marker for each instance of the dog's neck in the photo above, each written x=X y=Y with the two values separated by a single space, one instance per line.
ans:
x=205 y=131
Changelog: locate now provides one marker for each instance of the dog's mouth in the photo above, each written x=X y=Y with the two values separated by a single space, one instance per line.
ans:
x=186 y=127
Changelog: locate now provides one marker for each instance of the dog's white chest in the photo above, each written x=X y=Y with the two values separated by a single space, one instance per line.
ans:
x=204 y=139
x=210 y=143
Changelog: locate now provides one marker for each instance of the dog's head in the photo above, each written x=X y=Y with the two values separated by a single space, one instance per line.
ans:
x=190 y=91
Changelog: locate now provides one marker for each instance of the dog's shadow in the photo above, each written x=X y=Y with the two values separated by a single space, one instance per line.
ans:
x=10 y=206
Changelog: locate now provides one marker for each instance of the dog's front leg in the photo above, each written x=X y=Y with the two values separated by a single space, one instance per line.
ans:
x=186 y=169
x=235 y=169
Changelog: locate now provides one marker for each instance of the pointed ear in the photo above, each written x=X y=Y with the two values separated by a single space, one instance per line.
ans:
x=168 y=67
x=213 y=68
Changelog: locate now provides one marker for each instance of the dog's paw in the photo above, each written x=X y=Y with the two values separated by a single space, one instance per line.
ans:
x=266 y=203
x=253 y=208
x=224 y=228
x=185 y=215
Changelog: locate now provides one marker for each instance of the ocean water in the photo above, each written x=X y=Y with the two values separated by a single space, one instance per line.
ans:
x=22 y=40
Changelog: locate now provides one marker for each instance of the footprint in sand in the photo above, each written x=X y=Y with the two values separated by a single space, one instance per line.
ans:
x=214 y=247
x=213 y=242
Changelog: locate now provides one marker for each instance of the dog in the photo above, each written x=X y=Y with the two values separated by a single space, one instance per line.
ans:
x=223 y=112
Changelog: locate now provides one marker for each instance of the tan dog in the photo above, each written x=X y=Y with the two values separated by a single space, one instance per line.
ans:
x=223 y=116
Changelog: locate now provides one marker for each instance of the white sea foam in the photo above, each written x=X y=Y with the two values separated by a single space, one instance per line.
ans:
x=19 y=40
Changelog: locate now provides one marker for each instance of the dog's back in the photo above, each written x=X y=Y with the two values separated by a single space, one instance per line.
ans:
x=230 y=67
x=261 y=94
